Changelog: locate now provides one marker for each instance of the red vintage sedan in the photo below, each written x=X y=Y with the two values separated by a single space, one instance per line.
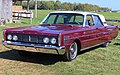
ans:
x=70 y=31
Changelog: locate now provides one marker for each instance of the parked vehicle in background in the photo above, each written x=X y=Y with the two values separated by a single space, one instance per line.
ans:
x=70 y=30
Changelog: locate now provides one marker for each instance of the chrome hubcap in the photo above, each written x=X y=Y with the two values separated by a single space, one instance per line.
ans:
x=73 y=50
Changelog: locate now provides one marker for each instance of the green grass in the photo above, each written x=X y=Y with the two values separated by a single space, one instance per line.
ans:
x=98 y=61
x=111 y=15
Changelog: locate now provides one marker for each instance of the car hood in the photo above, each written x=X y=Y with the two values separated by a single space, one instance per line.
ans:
x=43 y=29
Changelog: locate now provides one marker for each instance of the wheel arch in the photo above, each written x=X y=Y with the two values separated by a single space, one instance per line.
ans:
x=78 y=43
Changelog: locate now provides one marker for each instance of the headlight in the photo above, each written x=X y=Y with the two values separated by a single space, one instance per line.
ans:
x=15 y=38
x=46 y=40
x=9 y=37
x=53 y=40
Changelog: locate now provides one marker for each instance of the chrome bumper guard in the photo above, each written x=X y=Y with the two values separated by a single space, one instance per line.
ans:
x=43 y=46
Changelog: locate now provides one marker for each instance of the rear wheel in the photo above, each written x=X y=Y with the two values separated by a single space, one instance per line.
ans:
x=106 y=44
x=71 y=54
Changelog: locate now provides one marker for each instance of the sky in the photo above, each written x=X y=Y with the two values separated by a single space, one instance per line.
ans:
x=112 y=4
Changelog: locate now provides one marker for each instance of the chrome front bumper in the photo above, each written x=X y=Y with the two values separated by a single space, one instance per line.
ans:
x=22 y=46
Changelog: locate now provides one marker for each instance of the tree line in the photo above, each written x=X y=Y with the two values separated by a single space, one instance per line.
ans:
x=57 y=5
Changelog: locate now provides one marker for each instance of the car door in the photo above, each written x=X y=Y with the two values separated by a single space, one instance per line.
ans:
x=90 y=33
x=102 y=30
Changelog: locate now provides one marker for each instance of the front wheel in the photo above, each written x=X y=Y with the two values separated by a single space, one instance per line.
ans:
x=71 y=54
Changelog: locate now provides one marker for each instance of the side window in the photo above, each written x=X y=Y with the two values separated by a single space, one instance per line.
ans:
x=89 y=20
x=97 y=21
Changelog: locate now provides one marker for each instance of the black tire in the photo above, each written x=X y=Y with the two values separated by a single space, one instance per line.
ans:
x=24 y=53
x=71 y=54
x=106 y=44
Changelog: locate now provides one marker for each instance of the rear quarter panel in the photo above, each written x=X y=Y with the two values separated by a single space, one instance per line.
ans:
x=113 y=31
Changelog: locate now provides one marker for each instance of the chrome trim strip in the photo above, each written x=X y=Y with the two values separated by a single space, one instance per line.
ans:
x=92 y=46
x=33 y=45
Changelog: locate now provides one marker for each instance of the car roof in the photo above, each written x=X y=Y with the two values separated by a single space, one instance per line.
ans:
x=78 y=12
x=84 y=13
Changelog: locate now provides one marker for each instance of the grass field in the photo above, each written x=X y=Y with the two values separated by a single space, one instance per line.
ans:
x=111 y=15
x=95 y=61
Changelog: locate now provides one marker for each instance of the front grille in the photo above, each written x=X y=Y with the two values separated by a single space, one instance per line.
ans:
x=29 y=38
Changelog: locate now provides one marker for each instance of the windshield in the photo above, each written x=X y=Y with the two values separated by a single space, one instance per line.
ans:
x=64 y=18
